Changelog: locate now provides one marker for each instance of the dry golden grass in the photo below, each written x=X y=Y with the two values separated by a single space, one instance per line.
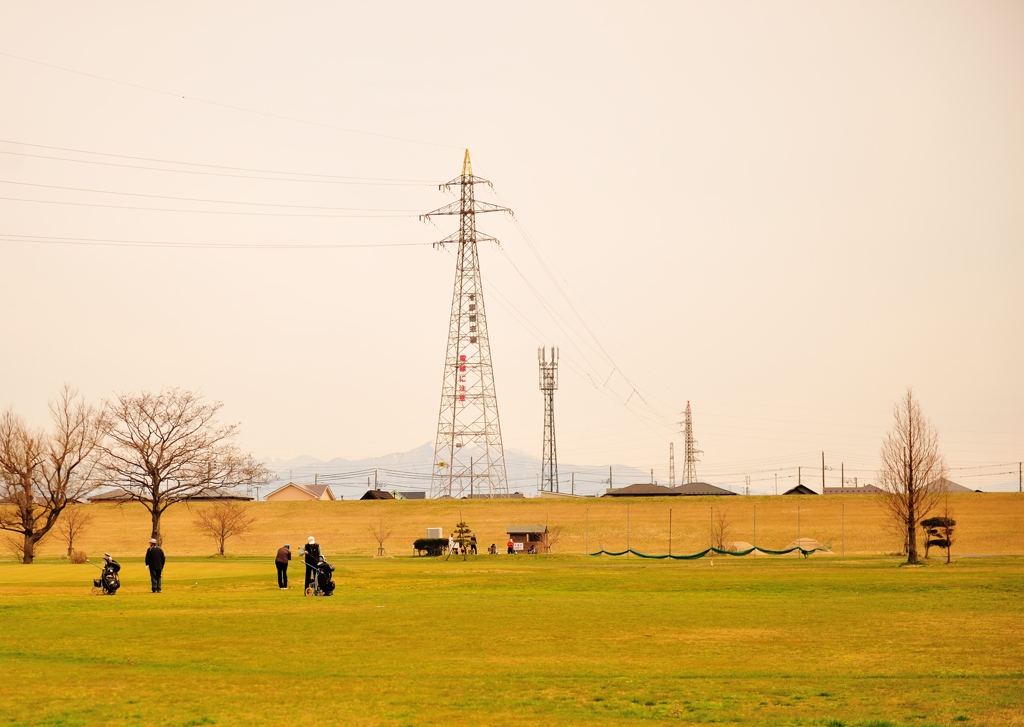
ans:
x=989 y=523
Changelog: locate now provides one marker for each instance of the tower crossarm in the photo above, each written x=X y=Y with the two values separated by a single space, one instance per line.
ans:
x=456 y=208
x=467 y=179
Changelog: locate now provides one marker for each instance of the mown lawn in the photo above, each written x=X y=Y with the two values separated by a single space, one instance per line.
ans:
x=504 y=640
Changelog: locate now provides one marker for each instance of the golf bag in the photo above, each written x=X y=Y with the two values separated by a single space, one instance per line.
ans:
x=109 y=581
x=323 y=580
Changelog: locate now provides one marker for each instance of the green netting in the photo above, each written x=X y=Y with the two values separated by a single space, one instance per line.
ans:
x=717 y=551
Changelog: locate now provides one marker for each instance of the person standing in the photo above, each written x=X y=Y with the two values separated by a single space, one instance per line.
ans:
x=312 y=555
x=511 y=546
x=155 y=562
x=283 y=556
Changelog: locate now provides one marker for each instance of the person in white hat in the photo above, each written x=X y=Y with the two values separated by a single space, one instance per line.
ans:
x=155 y=562
x=312 y=553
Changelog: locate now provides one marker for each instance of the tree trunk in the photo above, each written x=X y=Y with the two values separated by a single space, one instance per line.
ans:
x=911 y=535
x=29 y=553
x=156 y=526
x=222 y=545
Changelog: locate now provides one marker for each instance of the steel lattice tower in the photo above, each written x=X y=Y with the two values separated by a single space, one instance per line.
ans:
x=671 y=464
x=690 y=451
x=468 y=455
x=548 y=384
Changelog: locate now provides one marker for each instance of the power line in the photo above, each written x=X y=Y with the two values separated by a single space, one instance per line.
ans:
x=228 y=106
x=211 y=166
x=200 y=199
x=203 y=212
x=102 y=242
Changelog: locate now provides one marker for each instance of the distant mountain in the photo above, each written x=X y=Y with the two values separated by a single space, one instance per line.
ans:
x=411 y=470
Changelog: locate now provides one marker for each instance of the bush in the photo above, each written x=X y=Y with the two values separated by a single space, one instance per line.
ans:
x=78 y=556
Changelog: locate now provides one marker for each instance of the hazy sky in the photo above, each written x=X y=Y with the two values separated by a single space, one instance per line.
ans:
x=784 y=213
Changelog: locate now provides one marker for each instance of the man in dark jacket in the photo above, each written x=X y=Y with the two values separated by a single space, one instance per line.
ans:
x=155 y=562
x=283 y=556
x=312 y=553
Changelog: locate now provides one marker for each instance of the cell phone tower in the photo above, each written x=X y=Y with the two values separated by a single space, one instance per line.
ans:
x=468 y=455
x=548 y=384
x=690 y=450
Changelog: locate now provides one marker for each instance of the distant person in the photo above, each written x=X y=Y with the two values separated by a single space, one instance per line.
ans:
x=511 y=546
x=312 y=555
x=155 y=562
x=284 y=555
x=452 y=547
x=472 y=545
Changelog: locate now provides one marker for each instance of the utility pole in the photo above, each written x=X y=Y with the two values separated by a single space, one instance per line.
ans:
x=822 y=473
x=375 y=485
x=671 y=464
x=746 y=479
x=842 y=475
x=690 y=450
x=652 y=475
x=574 y=483
x=799 y=480
x=467 y=422
x=776 y=483
x=609 y=477
x=548 y=384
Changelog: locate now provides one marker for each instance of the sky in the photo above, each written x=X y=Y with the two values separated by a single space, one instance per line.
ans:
x=784 y=213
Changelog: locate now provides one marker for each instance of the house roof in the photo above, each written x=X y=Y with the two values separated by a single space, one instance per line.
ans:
x=642 y=489
x=316 y=491
x=119 y=495
x=520 y=529
x=800 y=490
x=700 y=488
x=377 y=495
x=944 y=485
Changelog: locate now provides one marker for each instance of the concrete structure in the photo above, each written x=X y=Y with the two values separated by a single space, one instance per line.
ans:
x=296 y=492
x=862 y=490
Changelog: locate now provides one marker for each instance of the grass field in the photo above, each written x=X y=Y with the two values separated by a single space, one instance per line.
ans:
x=504 y=640
x=989 y=523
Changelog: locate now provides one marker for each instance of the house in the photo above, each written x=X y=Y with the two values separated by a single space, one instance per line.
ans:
x=295 y=491
x=529 y=538
x=800 y=490
x=700 y=488
x=642 y=490
x=420 y=495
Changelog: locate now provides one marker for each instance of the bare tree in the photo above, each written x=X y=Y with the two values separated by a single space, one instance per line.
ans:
x=72 y=525
x=380 y=533
x=556 y=533
x=41 y=473
x=720 y=529
x=166 y=448
x=911 y=469
x=223 y=520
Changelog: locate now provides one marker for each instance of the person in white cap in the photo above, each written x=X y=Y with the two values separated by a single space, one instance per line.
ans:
x=312 y=553
x=155 y=562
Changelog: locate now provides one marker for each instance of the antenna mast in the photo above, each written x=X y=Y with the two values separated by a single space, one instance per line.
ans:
x=548 y=384
x=468 y=453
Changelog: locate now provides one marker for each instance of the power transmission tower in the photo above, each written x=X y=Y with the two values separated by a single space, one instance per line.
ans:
x=671 y=464
x=468 y=451
x=690 y=450
x=548 y=384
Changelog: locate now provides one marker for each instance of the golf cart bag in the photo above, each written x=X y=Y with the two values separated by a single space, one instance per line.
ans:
x=323 y=580
x=108 y=582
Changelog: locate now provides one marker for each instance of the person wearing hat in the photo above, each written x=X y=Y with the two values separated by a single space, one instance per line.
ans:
x=155 y=562
x=312 y=553
x=283 y=556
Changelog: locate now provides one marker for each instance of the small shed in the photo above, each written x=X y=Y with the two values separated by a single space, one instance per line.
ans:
x=529 y=539
x=800 y=490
